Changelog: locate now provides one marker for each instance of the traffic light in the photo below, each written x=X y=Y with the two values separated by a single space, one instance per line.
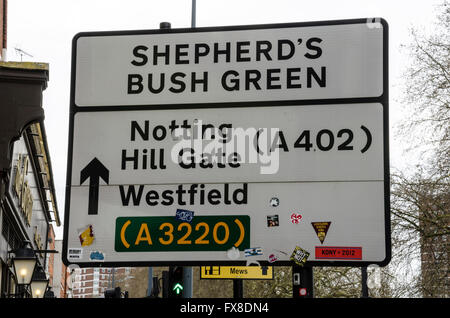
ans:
x=176 y=282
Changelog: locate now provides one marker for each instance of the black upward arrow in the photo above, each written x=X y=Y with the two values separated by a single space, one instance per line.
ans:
x=94 y=170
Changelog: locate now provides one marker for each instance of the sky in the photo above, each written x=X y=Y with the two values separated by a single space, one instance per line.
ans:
x=44 y=29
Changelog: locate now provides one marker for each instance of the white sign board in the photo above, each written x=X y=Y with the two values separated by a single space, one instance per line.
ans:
x=263 y=144
x=233 y=65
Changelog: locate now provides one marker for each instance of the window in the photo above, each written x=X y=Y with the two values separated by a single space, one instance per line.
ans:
x=9 y=233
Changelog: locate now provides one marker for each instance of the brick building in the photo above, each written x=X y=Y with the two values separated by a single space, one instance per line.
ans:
x=92 y=282
x=435 y=244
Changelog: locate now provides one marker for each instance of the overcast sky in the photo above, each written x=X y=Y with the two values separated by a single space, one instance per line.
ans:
x=45 y=28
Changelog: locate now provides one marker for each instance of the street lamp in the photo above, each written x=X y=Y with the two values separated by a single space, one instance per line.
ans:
x=39 y=283
x=24 y=262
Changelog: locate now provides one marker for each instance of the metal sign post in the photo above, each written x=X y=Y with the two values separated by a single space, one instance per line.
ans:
x=238 y=288
x=364 y=287
x=193 y=15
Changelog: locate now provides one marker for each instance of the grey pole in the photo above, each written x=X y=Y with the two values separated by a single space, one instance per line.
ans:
x=187 y=271
x=193 y=14
x=150 y=281
x=187 y=282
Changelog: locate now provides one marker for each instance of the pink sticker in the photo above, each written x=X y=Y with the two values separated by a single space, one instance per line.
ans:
x=295 y=218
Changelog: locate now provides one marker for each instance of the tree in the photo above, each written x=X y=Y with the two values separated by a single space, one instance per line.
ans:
x=279 y=287
x=427 y=93
x=421 y=196
x=421 y=216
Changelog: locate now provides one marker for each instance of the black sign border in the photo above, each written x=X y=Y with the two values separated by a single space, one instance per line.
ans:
x=383 y=99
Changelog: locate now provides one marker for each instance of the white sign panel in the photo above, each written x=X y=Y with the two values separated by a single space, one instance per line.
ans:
x=233 y=65
x=144 y=175
x=295 y=143
x=237 y=145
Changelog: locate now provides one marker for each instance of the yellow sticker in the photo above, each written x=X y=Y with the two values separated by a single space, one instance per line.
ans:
x=299 y=256
x=87 y=236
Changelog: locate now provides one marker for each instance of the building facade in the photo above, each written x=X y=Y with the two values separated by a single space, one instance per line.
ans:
x=60 y=274
x=27 y=194
x=50 y=262
x=93 y=282
x=435 y=244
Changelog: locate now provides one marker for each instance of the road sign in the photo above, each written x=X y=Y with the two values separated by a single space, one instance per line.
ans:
x=236 y=272
x=252 y=144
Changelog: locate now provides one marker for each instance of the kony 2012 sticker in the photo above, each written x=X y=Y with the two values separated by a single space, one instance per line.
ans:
x=338 y=252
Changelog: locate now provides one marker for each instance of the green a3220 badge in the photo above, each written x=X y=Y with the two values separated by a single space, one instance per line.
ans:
x=165 y=233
